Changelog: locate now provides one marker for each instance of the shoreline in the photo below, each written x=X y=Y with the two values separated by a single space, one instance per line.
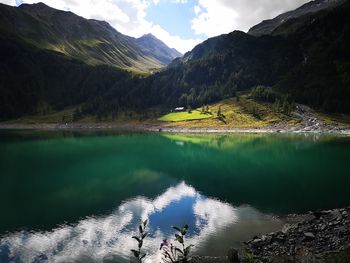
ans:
x=321 y=236
x=159 y=128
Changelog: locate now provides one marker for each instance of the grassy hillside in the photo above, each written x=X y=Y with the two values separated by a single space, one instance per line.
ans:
x=186 y=116
x=91 y=41
x=242 y=113
x=37 y=82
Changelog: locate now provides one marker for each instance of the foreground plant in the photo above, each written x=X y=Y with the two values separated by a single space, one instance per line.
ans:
x=173 y=254
x=139 y=256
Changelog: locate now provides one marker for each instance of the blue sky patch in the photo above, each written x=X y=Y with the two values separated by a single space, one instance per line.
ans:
x=173 y=17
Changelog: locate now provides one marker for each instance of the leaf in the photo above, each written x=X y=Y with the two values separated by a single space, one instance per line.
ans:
x=140 y=229
x=140 y=243
x=184 y=230
x=179 y=238
x=137 y=238
x=145 y=223
x=142 y=256
x=136 y=253
x=144 y=235
x=179 y=250
x=176 y=228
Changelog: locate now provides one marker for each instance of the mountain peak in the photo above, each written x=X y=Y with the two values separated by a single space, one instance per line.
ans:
x=39 y=5
x=149 y=36
x=151 y=44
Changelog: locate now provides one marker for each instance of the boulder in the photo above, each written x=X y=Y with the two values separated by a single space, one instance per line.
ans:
x=309 y=235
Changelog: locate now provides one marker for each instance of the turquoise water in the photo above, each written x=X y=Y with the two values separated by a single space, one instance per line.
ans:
x=78 y=197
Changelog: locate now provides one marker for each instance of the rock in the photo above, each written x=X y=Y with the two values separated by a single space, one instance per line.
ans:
x=309 y=235
x=342 y=229
x=315 y=236
x=318 y=214
x=232 y=256
x=257 y=242
x=266 y=239
x=286 y=228
x=323 y=227
x=279 y=238
x=336 y=214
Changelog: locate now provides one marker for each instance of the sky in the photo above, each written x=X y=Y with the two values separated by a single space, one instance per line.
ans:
x=180 y=24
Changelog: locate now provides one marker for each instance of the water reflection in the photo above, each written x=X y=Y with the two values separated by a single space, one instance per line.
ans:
x=108 y=238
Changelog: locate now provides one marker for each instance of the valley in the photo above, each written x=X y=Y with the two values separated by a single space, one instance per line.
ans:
x=298 y=64
x=116 y=147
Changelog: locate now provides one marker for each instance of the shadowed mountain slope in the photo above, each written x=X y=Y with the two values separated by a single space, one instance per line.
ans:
x=91 y=41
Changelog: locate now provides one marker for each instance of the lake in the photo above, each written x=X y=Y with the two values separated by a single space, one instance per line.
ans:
x=79 y=197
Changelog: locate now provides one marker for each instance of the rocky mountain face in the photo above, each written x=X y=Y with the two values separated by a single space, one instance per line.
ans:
x=91 y=41
x=268 y=26
x=152 y=46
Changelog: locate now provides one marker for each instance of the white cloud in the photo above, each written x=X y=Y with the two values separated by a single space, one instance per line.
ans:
x=127 y=16
x=98 y=238
x=8 y=2
x=197 y=9
x=223 y=16
x=182 y=45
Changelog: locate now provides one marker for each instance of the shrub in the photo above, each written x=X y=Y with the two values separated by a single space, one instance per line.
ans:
x=173 y=254
x=138 y=255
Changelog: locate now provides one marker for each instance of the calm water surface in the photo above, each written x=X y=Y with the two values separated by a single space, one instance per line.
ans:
x=72 y=197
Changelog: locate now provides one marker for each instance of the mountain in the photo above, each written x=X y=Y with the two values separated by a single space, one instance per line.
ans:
x=152 y=46
x=37 y=81
x=307 y=62
x=268 y=26
x=91 y=41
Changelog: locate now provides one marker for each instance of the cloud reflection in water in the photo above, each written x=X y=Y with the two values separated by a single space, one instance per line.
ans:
x=108 y=238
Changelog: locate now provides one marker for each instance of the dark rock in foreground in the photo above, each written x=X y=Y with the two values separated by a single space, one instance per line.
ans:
x=316 y=239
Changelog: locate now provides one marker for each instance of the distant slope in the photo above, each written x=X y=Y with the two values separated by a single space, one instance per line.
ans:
x=268 y=26
x=152 y=46
x=309 y=64
x=91 y=41
x=36 y=81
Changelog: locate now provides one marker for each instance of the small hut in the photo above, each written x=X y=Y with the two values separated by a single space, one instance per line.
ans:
x=178 y=109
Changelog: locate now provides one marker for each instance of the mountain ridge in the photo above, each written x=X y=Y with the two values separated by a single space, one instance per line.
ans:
x=91 y=41
x=152 y=45
x=308 y=64
x=268 y=26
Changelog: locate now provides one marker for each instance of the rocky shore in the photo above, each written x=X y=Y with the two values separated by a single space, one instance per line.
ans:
x=318 y=238
x=142 y=127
